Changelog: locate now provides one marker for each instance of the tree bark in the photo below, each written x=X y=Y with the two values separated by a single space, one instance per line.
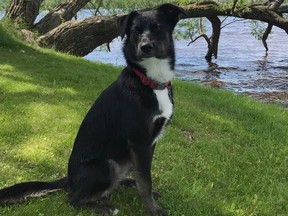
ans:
x=214 y=39
x=81 y=37
x=62 y=13
x=265 y=36
x=24 y=11
x=263 y=14
x=274 y=6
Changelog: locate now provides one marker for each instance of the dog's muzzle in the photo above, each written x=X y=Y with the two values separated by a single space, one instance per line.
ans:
x=146 y=48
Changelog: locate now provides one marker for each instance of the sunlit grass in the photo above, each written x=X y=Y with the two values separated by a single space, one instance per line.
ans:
x=222 y=154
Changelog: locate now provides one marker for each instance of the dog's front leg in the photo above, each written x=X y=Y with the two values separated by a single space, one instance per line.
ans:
x=142 y=166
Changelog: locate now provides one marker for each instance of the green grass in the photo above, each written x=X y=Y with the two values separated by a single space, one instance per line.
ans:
x=221 y=155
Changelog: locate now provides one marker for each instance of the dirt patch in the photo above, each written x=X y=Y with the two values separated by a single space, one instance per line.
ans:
x=189 y=135
x=215 y=83
x=272 y=97
x=28 y=36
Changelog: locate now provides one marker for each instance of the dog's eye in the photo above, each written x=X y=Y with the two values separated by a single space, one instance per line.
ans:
x=137 y=30
x=156 y=28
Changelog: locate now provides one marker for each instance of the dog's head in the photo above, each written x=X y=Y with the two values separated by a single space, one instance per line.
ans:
x=149 y=33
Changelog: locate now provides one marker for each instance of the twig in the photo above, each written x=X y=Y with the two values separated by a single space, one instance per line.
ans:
x=201 y=35
x=235 y=20
x=201 y=25
x=99 y=5
x=108 y=47
x=224 y=19
x=234 y=6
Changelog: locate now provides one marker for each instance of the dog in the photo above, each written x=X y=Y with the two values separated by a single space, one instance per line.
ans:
x=120 y=131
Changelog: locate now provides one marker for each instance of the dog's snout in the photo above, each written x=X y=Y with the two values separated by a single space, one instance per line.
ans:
x=146 y=47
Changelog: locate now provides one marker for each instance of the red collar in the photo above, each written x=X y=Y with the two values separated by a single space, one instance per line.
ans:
x=151 y=83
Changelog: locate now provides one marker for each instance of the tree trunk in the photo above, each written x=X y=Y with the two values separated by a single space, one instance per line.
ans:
x=81 y=37
x=62 y=13
x=24 y=11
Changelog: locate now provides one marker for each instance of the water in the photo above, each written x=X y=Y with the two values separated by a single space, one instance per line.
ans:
x=242 y=65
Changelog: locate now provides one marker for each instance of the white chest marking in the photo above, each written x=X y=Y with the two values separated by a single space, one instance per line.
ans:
x=166 y=110
x=158 y=69
x=165 y=104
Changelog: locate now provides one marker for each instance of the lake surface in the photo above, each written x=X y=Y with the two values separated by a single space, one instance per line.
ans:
x=243 y=65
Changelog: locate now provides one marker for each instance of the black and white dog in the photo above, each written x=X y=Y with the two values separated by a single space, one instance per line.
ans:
x=121 y=129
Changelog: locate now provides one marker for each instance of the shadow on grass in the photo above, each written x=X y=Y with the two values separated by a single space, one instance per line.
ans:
x=39 y=85
x=241 y=148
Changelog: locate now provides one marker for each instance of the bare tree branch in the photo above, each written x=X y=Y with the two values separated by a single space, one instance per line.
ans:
x=214 y=39
x=83 y=36
x=235 y=20
x=263 y=13
x=62 y=13
x=274 y=6
x=80 y=44
x=234 y=5
x=265 y=36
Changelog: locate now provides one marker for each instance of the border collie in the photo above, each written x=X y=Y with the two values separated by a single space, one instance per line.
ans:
x=119 y=132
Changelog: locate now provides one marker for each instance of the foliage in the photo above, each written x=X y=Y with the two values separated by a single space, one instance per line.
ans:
x=186 y=29
x=50 y=4
x=112 y=6
x=223 y=154
x=4 y=4
x=12 y=39
x=257 y=29
x=127 y=5
x=190 y=29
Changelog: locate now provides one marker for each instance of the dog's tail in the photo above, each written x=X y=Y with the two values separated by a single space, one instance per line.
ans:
x=20 y=192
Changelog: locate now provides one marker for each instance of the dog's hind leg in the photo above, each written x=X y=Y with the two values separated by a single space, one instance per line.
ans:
x=129 y=182
x=92 y=182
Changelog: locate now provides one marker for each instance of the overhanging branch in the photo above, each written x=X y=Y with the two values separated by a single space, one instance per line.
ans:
x=214 y=39
x=83 y=45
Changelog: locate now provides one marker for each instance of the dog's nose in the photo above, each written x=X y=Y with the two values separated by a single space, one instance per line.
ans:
x=146 y=47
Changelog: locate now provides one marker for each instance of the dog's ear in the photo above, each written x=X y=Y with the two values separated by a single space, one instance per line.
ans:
x=171 y=12
x=125 y=22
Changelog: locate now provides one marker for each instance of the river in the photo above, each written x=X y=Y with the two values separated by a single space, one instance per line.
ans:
x=243 y=65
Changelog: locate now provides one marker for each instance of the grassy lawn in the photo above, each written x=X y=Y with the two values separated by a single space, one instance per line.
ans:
x=222 y=154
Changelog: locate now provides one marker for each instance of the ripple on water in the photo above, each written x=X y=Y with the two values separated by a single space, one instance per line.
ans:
x=242 y=65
